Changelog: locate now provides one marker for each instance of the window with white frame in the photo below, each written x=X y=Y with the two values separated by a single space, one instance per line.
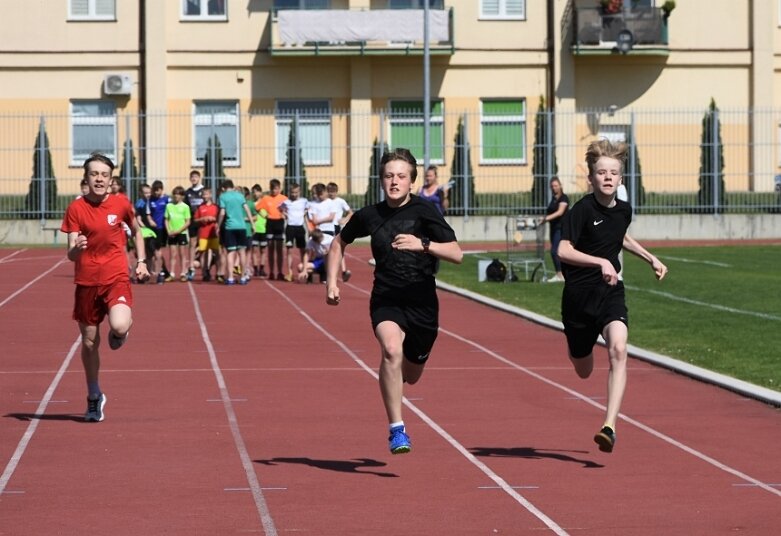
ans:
x=93 y=129
x=503 y=9
x=312 y=119
x=503 y=131
x=406 y=128
x=204 y=9
x=301 y=4
x=217 y=120
x=92 y=10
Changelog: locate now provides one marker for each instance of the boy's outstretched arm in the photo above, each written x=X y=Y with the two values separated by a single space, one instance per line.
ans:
x=333 y=267
x=570 y=255
x=634 y=247
x=447 y=251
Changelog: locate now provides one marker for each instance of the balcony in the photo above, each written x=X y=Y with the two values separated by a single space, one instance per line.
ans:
x=350 y=32
x=597 y=33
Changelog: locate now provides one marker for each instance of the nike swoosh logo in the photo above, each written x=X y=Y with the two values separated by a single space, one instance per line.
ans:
x=597 y=222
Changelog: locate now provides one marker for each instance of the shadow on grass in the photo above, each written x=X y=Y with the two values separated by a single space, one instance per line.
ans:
x=533 y=454
x=356 y=465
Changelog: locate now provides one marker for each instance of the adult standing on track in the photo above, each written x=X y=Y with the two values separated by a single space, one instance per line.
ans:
x=553 y=215
x=96 y=243
x=593 y=301
x=408 y=236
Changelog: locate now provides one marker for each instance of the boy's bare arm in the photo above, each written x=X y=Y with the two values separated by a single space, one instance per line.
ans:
x=634 y=247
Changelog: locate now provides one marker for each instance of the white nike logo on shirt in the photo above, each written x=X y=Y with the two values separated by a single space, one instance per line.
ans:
x=597 y=222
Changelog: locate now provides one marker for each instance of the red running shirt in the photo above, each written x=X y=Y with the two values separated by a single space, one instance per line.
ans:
x=207 y=230
x=104 y=261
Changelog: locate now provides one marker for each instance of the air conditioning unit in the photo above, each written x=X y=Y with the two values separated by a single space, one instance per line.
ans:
x=117 y=84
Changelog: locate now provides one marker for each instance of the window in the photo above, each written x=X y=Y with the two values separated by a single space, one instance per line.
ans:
x=503 y=9
x=93 y=129
x=219 y=119
x=301 y=4
x=314 y=130
x=406 y=128
x=503 y=132
x=415 y=4
x=204 y=10
x=91 y=10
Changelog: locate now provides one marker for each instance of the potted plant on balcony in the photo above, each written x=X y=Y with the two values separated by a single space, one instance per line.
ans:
x=611 y=7
x=667 y=8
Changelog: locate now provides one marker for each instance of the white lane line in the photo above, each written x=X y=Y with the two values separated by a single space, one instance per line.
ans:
x=252 y=479
x=40 y=410
x=638 y=424
x=693 y=261
x=15 y=253
x=766 y=316
x=500 y=482
x=31 y=283
x=575 y=394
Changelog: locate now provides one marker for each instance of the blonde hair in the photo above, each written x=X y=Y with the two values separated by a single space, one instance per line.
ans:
x=604 y=147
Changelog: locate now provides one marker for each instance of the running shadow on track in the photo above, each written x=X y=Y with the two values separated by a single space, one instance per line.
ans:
x=342 y=466
x=533 y=454
x=46 y=416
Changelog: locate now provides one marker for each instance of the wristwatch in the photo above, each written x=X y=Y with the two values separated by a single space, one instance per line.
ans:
x=139 y=261
x=426 y=243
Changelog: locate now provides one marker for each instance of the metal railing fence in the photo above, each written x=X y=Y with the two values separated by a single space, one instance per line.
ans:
x=695 y=161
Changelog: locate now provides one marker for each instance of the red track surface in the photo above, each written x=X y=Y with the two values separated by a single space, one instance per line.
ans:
x=254 y=410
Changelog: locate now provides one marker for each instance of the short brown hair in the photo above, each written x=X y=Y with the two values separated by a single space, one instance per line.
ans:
x=400 y=154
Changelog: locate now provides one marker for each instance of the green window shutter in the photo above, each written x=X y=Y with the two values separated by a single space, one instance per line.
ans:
x=503 y=141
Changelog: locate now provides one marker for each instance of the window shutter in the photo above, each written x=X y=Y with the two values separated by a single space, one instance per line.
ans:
x=79 y=8
x=490 y=8
x=514 y=8
x=104 y=8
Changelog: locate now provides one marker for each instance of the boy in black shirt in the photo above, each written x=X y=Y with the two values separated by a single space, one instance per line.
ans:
x=408 y=236
x=593 y=303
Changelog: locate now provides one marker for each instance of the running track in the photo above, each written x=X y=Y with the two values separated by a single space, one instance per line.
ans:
x=255 y=410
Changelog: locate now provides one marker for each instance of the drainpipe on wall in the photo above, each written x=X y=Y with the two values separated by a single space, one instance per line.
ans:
x=142 y=88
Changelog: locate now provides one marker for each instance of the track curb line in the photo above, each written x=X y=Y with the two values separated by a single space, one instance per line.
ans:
x=744 y=388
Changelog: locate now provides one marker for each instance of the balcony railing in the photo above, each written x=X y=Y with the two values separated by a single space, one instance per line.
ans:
x=349 y=32
x=597 y=32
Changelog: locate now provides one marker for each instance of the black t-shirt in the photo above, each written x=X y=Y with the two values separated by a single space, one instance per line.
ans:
x=595 y=230
x=553 y=206
x=396 y=269
x=194 y=197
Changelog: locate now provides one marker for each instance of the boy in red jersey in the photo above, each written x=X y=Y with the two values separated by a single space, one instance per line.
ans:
x=208 y=241
x=96 y=243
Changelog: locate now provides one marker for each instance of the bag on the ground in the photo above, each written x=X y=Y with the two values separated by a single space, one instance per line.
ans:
x=495 y=271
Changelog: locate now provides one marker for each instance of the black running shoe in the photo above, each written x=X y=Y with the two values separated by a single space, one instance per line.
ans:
x=606 y=439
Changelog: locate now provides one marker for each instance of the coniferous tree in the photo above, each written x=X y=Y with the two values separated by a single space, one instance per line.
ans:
x=542 y=153
x=294 y=163
x=42 y=178
x=128 y=171
x=460 y=177
x=711 y=162
x=374 y=187
x=638 y=179
x=213 y=171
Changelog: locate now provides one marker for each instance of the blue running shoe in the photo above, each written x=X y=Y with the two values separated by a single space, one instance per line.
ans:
x=95 y=409
x=399 y=441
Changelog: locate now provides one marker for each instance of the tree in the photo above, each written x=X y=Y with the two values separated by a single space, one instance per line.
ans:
x=374 y=187
x=43 y=180
x=460 y=177
x=711 y=195
x=128 y=170
x=294 y=163
x=639 y=200
x=213 y=169
x=543 y=153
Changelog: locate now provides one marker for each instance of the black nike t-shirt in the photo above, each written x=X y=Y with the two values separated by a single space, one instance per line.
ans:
x=396 y=270
x=595 y=230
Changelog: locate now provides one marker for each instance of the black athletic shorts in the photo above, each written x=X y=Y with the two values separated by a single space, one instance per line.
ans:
x=178 y=240
x=295 y=235
x=586 y=311
x=161 y=240
x=275 y=229
x=418 y=318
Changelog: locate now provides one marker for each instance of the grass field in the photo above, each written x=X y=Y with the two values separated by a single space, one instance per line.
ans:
x=718 y=308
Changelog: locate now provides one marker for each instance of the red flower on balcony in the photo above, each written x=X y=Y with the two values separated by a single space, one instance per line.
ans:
x=611 y=7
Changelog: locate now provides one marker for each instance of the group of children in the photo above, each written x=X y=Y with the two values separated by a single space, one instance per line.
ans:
x=240 y=233
x=409 y=236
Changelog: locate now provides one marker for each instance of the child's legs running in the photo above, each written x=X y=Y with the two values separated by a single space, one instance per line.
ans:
x=90 y=358
x=615 y=334
x=120 y=318
x=391 y=339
